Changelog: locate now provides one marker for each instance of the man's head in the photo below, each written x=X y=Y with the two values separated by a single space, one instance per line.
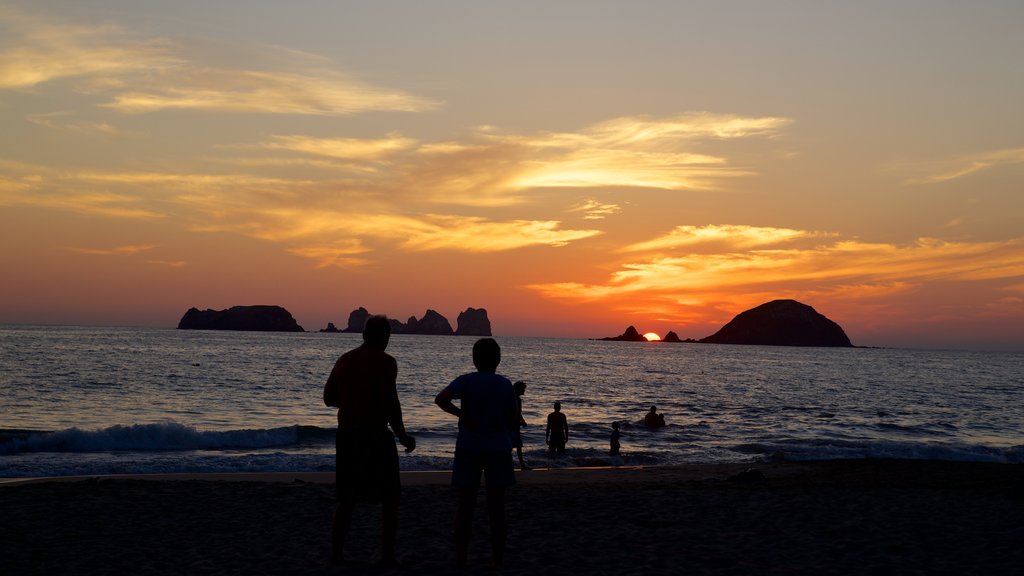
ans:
x=486 y=355
x=654 y=409
x=377 y=331
x=520 y=387
x=558 y=406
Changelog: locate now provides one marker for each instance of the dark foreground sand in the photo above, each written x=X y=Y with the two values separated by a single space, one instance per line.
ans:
x=837 y=517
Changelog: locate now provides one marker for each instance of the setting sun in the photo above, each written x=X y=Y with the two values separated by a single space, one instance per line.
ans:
x=652 y=337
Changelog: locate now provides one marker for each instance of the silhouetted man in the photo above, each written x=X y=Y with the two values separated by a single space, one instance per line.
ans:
x=557 y=432
x=362 y=387
x=488 y=414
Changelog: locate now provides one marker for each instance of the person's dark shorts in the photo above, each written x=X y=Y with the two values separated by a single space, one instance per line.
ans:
x=495 y=465
x=366 y=465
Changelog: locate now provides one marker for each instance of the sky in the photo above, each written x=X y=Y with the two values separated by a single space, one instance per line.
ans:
x=573 y=167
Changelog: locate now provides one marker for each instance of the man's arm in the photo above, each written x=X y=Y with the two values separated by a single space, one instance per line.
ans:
x=565 y=427
x=394 y=408
x=331 y=388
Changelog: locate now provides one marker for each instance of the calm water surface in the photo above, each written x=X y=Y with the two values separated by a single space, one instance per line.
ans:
x=116 y=400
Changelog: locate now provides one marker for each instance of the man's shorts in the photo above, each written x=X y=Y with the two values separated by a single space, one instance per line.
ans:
x=495 y=465
x=366 y=465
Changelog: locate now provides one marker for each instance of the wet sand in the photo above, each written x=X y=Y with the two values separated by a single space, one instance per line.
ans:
x=834 y=517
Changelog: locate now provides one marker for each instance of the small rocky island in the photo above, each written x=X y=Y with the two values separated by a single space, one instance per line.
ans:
x=471 y=322
x=776 y=323
x=257 y=318
x=630 y=335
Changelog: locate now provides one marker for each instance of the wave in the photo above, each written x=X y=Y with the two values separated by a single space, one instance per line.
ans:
x=160 y=437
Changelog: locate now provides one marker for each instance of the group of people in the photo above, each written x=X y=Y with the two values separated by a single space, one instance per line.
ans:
x=362 y=386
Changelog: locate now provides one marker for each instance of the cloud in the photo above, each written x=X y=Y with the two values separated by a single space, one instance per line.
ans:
x=594 y=210
x=421 y=233
x=960 y=167
x=343 y=148
x=37 y=51
x=489 y=168
x=149 y=75
x=168 y=263
x=342 y=254
x=315 y=92
x=737 y=237
x=129 y=250
x=53 y=121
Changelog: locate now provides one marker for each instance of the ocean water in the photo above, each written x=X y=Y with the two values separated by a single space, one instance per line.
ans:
x=90 y=401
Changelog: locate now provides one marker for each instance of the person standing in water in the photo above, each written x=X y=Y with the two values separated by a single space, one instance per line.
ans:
x=614 y=448
x=557 y=432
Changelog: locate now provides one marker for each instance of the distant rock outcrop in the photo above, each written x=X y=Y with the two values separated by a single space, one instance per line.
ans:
x=258 y=318
x=356 y=320
x=781 y=323
x=432 y=323
x=630 y=335
x=331 y=328
x=671 y=337
x=473 y=322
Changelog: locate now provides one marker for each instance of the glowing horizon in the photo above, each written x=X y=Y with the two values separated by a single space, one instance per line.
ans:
x=342 y=155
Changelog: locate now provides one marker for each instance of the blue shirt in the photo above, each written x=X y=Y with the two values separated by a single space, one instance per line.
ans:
x=489 y=410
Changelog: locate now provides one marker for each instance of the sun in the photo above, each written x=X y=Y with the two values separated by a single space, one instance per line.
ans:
x=652 y=337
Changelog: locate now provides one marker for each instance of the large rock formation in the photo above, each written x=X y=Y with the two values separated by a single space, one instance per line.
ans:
x=630 y=335
x=356 y=320
x=259 y=318
x=781 y=323
x=431 y=323
x=473 y=322
x=671 y=337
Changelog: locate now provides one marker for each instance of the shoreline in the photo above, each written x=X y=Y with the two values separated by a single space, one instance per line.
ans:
x=823 y=517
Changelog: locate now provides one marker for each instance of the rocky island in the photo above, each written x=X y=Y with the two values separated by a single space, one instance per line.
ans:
x=781 y=323
x=257 y=318
x=630 y=335
x=471 y=322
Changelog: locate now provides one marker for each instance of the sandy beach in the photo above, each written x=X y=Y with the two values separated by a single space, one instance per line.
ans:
x=833 y=517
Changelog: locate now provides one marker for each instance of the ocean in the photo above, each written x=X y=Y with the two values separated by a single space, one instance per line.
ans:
x=88 y=401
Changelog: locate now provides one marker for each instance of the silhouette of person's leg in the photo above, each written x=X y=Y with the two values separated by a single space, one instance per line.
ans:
x=464 y=524
x=339 y=529
x=499 y=529
x=389 y=529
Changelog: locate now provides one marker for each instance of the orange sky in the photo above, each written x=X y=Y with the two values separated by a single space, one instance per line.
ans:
x=573 y=168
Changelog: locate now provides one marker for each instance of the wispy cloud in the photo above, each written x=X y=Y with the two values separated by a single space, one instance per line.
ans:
x=963 y=166
x=317 y=92
x=342 y=254
x=343 y=148
x=64 y=121
x=142 y=75
x=594 y=210
x=36 y=51
x=129 y=250
x=737 y=237
x=489 y=168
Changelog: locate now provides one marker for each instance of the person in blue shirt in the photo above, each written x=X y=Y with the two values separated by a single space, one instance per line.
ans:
x=488 y=415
